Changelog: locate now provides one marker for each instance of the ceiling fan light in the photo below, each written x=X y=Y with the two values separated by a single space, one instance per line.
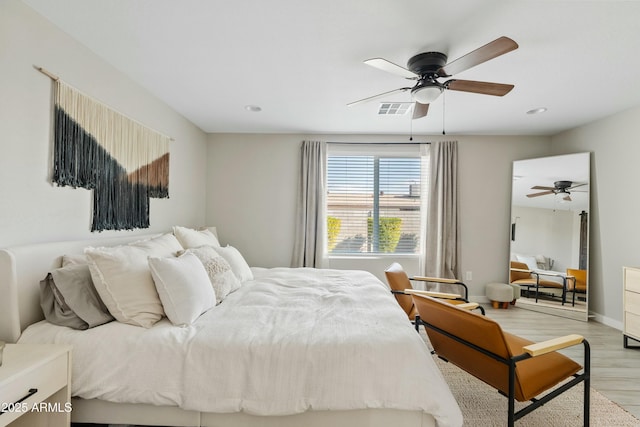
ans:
x=426 y=94
x=561 y=197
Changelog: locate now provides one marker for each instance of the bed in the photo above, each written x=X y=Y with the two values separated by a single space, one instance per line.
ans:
x=290 y=347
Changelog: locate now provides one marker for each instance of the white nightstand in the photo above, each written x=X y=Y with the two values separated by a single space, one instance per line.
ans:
x=35 y=385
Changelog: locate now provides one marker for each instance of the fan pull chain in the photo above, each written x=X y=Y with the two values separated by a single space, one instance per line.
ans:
x=443 y=110
x=411 y=129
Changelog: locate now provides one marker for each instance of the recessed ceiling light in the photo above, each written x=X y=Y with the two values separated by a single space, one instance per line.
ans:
x=537 y=110
x=252 y=108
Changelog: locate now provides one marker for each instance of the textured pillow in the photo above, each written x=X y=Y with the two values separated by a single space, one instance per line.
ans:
x=219 y=271
x=123 y=279
x=190 y=238
x=237 y=262
x=183 y=286
x=68 y=298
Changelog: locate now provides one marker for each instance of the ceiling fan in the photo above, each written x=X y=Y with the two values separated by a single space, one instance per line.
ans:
x=559 y=187
x=428 y=67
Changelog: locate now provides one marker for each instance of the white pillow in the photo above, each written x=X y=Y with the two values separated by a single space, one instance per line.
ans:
x=237 y=262
x=219 y=271
x=190 y=238
x=183 y=287
x=122 y=277
x=529 y=260
x=74 y=259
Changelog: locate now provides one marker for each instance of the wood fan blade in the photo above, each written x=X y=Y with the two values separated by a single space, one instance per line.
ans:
x=491 y=50
x=567 y=198
x=484 y=88
x=419 y=110
x=390 y=67
x=380 y=95
x=540 y=187
x=576 y=186
x=544 y=193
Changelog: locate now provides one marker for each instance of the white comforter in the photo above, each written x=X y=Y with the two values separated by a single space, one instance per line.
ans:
x=289 y=341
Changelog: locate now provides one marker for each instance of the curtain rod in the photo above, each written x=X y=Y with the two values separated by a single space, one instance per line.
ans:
x=57 y=79
x=377 y=143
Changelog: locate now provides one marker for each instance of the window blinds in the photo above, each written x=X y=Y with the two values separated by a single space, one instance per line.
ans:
x=375 y=198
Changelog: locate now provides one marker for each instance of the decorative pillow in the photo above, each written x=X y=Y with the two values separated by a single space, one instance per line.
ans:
x=529 y=260
x=68 y=298
x=219 y=271
x=123 y=279
x=237 y=262
x=183 y=286
x=543 y=262
x=190 y=238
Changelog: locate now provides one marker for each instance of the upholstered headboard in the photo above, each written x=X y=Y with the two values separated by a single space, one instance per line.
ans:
x=21 y=270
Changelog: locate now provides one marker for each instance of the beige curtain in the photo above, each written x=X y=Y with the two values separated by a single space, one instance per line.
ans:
x=310 y=228
x=443 y=228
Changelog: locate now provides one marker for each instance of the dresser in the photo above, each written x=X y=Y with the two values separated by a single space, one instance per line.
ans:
x=35 y=385
x=631 y=303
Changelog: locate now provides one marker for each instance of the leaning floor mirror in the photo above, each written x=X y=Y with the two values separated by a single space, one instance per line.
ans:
x=549 y=249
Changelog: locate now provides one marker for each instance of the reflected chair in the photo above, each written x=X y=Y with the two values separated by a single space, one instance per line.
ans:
x=576 y=282
x=400 y=282
x=520 y=274
x=518 y=368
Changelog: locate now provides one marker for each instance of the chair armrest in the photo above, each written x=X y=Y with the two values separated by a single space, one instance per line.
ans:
x=434 y=279
x=541 y=273
x=456 y=282
x=553 y=344
x=521 y=270
x=433 y=294
x=468 y=305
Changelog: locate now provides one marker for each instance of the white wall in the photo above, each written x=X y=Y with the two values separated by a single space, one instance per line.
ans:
x=548 y=232
x=253 y=182
x=32 y=208
x=614 y=221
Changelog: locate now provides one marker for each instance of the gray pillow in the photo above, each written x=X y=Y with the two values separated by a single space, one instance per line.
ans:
x=68 y=298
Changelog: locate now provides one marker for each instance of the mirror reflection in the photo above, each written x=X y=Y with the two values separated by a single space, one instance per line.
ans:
x=549 y=234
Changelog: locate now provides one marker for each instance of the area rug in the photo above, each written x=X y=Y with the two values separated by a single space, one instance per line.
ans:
x=482 y=405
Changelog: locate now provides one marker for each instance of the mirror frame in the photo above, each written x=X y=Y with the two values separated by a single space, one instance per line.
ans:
x=544 y=172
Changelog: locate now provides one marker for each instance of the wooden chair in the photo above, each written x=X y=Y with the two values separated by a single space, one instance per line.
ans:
x=520 y=274
x=400 y=284
x=518 y=368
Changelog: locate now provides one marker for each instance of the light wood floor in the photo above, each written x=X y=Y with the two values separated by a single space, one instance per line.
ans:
x=615 y=371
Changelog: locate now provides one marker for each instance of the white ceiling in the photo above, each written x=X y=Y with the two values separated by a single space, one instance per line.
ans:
x=301 y=61
x=544 y=172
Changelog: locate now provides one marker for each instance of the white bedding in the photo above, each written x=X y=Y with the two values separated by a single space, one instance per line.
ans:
x=288 y=341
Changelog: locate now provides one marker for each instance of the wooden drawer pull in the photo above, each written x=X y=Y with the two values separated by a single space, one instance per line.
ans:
x=31 y=392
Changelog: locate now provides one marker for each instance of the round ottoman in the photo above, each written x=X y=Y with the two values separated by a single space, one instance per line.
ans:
x=516 y=292
x=500 y=294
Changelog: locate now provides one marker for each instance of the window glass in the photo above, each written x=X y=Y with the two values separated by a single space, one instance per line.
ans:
x=375 y=200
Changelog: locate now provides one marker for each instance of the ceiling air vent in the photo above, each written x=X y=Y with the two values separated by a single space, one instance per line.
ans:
x=394 y=108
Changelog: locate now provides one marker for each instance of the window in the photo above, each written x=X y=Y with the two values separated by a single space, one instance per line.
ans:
x=375 y=198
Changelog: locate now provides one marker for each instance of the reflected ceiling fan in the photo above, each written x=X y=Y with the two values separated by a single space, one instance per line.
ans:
x=428 y=67
x=559 y=187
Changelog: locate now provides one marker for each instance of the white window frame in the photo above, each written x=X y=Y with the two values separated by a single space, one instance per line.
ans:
x=382 y=150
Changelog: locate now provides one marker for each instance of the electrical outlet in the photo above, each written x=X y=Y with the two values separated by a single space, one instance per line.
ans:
x=468 y=275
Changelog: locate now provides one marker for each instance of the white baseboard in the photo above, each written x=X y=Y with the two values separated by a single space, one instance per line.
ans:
x=616 y=324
